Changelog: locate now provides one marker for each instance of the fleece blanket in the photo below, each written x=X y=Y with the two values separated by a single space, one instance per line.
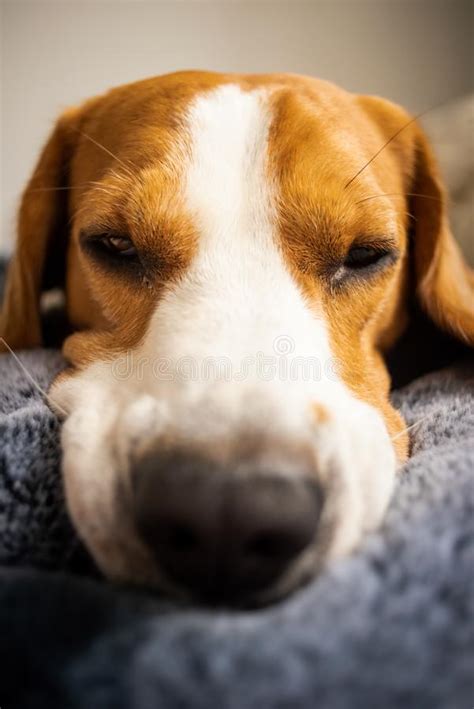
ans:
x=391 y=626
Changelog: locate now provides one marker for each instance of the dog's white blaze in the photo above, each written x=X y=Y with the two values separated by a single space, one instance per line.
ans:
x=238 y=298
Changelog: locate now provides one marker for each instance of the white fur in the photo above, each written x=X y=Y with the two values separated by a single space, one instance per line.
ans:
x=236 y=301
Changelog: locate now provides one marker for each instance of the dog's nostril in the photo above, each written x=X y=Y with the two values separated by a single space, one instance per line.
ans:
x=181 y=538
x=272 y=545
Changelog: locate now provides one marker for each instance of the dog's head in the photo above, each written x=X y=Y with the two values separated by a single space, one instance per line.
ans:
x=237 y=254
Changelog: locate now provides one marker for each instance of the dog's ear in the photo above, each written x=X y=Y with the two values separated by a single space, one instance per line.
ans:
x=444 y=281
x=38 y=262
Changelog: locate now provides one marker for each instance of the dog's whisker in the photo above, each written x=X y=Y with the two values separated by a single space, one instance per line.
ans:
x=413 y=425
x=410 y=216
x=398 y=194
x=106 y=150
x=64 y=188
x=31 y=379
x=395 y=135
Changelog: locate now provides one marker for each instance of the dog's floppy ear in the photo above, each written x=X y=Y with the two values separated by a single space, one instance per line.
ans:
x=38 y=262
x=444 y=281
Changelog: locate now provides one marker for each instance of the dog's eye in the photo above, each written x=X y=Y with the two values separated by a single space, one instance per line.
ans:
x=112 y=251
x=365 y=260
x=360 y=257
x=120 y=245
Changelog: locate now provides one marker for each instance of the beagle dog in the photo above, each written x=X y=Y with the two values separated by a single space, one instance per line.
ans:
x=238 y=254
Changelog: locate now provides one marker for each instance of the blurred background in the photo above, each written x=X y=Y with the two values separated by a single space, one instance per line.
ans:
x=56 y=53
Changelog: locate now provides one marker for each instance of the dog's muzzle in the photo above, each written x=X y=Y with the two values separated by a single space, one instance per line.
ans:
x=227 y=499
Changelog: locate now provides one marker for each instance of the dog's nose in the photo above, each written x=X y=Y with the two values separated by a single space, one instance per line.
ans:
x=223 y=536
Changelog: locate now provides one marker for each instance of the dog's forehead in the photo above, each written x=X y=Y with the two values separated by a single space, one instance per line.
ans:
x=313 y=135
x=147 y=119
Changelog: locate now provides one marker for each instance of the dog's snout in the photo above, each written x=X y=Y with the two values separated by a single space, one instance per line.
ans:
x=223 y=536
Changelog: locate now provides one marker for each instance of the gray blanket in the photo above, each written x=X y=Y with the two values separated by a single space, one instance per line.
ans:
x=389 y=627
